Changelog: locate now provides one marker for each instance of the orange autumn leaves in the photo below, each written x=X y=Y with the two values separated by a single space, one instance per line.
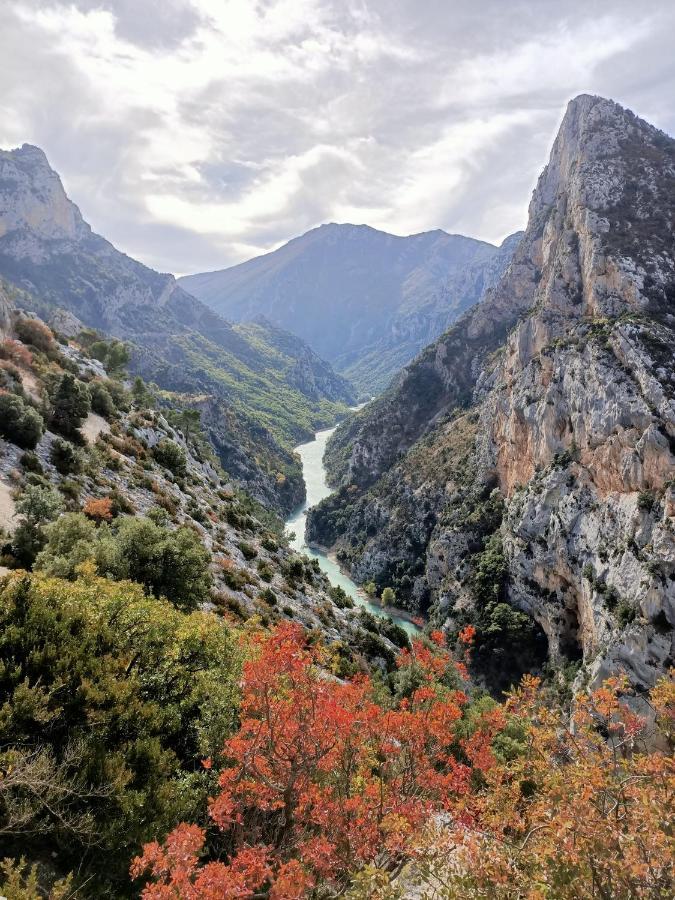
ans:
x=586 y=810
x=325 y=777
x=321 y=779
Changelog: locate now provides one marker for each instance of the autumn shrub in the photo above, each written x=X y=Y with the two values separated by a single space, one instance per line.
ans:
x=99 y=509
x=320 y=778
x=16 y=352
x=584 y=812
x=36 y=334
x=19 y=422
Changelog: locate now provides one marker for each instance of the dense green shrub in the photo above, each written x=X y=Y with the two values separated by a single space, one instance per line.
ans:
x=172 y=456
x=101 y=401
x=168 y=563
x=38 y=505
x=31 y=462
x=65 y=457
x=109 y=701
x=70 y=407
x=340 y=597
x=19 y=422
x=113 y=354
x=248 y=550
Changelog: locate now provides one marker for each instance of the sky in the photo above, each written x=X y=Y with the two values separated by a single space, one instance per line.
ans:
x=195 y=134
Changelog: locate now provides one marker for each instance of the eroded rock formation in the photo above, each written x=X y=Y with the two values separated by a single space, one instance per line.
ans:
x=564 y=501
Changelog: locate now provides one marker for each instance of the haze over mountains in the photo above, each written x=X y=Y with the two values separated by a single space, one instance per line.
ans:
x=365 y=300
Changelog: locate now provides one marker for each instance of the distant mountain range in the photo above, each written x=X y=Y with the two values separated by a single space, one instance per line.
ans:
x=363 y=299
x=261 y=390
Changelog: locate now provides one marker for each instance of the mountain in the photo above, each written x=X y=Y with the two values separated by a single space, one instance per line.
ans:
x=131 y=572
x=365 y=300
x=519 y=475
x=263 y=398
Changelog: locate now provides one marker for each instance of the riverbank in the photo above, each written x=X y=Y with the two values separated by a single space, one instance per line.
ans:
x=311 y=456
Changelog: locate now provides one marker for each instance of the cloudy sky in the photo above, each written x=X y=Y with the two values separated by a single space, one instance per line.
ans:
x=197 y=133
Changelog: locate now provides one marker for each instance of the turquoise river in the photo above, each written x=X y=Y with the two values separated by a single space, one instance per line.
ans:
x=314 y=474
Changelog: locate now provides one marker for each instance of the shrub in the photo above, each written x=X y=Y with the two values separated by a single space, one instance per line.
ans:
x=35 y=333
x=31 y=462
x=37 y=505
x=171 y=564
x=70 y=407
x=16 y=353
x=388 y=597
x=19 y=422
x=269 y=597
x=98 y=509
x=113 y=354
x=340 y=597
x=646 y=500
x=65 y=457
x=170 y=455
x=248 y=550
x=118 y=695
x=101 y=401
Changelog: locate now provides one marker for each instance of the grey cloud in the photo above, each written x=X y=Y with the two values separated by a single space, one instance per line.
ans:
x=204 y=162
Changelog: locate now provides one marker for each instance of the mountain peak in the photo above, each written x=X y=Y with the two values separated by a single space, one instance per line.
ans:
x=33 y=200
x=32 y=153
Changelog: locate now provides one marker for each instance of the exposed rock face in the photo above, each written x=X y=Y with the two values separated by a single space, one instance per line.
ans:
x=75 y=276
x=568 y=366
x=365 y=300
x=5 y=311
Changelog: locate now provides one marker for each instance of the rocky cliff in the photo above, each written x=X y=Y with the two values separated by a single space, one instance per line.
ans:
x=519 y=475
x=366 y=300
x=76 y=277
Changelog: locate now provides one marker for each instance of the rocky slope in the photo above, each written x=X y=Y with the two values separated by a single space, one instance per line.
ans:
x=77 y=277
x=520 y=473
x=120 y=462
x=365 y=300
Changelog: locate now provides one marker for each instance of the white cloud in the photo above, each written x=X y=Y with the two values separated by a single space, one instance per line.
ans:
x=195 y=132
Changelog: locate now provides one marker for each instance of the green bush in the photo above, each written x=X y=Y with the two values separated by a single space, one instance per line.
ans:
x=31 y=463
x=101 y=401
x=170 y=455
x=109 y=700
x=269 y=597
x=248 y=550
x=340 y=597
x=113 y=354
x=66 y=458
x=37 y=505
x=168 y=563
x=70 y=407
x=19 y=422
x=646 y=500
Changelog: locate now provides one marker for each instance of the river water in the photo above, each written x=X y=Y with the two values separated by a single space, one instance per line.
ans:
x=311 y=455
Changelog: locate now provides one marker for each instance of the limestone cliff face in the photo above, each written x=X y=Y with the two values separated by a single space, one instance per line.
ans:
x=568 y=366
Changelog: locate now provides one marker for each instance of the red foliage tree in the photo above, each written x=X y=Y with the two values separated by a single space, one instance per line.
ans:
x=320 y=778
